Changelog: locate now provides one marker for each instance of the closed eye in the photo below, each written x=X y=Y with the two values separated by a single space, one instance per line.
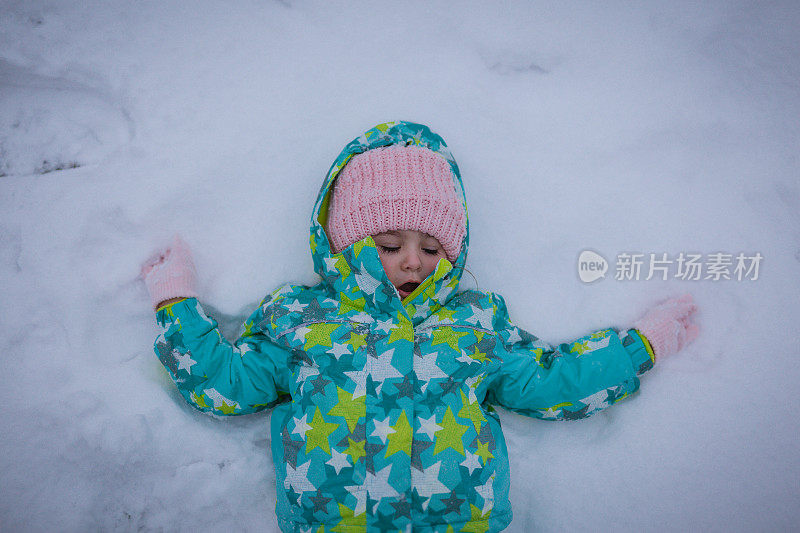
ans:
x=389 y=249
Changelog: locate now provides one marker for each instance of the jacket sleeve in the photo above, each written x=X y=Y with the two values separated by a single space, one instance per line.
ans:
x=211 y=373
x=570 y=381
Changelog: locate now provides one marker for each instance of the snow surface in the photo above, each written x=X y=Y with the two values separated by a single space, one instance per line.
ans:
x=666 y=128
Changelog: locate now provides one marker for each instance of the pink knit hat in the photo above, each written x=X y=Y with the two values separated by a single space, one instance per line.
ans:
x=396 y=188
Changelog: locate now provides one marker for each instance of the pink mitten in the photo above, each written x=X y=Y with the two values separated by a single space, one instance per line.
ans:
x=170 y=273
x=668 y=326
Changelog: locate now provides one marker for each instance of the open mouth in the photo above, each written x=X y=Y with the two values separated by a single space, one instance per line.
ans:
x=408 y=288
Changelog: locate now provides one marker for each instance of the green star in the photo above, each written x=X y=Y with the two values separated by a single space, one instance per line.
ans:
x=479 y=523
x=342 y=266
x=349 y=304
x=200 y=400
x=580 y=347
x=355 y=450
x=450 y=435
x=400 y=440
x=483 y=452
x=356 y=341
x=478 y=355
x=350 y=520
x=317 y=436
x=447 y=335
x=471 y=411
x=348 y=408
x=403 y=331
x=226 y=409
x=320 y=335
x=445 y=314
x=360 y=245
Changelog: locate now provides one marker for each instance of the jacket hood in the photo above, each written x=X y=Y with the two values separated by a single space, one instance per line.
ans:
x=355 y=275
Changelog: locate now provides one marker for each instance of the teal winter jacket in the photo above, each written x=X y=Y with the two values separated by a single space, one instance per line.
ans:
x=384 y=415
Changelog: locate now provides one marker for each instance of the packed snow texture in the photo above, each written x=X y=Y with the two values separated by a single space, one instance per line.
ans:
x=668 y=127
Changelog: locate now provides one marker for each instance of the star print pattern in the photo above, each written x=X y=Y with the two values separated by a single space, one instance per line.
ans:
x=383 y=414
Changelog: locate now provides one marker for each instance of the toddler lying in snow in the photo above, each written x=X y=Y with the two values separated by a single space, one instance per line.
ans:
x=384 y=374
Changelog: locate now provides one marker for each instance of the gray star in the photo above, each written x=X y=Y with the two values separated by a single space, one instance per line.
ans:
x=372 y=342
x=408 y=386
x=575 y=415
x=358 y=434
x=372 y=449
x=449 y=386
x=299 y=357
x=401 y=507
x=276 y=312
x=417 y=447
x=314 y=312
x=484 y=436
x=485 y=346
x=319 y=385
x=469 y=297
x=290 y=448
x=320 y=502
x=166 y=358
x=389 y=291
x=452 y=504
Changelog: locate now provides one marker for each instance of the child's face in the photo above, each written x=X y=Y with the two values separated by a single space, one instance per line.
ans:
x=408 y=257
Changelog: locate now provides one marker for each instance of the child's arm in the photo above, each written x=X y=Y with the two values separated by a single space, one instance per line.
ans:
x=210 y=373
x=570 y=381
x=213 y=374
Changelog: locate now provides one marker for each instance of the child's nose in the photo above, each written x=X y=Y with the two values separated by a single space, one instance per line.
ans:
x=412 y=261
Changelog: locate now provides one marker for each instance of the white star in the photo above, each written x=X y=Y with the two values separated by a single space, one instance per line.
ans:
x=362 y=318
x=550 y=412
x=422 y=309
x=487 y=493
x=381 y=368
x=443 y=292
x=514 y=336
x=306 y=372
x=427 y=482
x=301 y=425
x=297 y=478
x=185 y=361
x=359 y=377
x=218 y=398
x=296 y=306
x=596 y=345
x=464 y=358
x=471 y=462
x=300 y=333
x=382 y=429
x=384 y=325
x=358 y=492
x=330 y=264
x=427 y=369
x=598 y=400
x=378 y=485
x=338 y=460
x=428 y=426
x=482 y=317
x=367 y=283
x=338 y=350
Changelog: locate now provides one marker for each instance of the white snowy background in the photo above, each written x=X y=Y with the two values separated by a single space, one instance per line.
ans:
x=661 y=127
